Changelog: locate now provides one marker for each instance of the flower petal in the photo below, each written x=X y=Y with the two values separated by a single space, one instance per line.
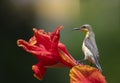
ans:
x=55 y=36
x=32 y=41
x=64 y=49
x=40 y=52
x=66 y=60
x=42 y=38
x=27 y=46
x=86 y=74
x=39 y=70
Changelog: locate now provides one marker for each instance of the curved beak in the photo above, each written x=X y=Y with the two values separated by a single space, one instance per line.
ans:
x=76 y=29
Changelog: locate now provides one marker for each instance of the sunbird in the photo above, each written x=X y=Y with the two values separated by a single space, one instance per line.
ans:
x=89 y=46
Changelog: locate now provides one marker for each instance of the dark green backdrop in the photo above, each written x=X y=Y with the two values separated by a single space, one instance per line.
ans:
x=15 y=63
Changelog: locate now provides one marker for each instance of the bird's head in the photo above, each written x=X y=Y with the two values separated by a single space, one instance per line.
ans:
x=84 y=28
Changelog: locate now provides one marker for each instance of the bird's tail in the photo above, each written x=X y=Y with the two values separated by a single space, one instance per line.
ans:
x=98 y=65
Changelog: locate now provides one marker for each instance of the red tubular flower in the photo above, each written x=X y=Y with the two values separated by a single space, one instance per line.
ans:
x=47 y=49
x=86 y=74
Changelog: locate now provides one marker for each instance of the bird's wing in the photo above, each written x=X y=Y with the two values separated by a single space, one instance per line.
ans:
x=91 y=44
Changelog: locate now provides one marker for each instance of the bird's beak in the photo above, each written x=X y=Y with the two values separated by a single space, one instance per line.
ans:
x=76 y=28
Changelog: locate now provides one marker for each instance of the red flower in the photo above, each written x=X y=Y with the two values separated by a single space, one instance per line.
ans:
x=48 y=50
x=86 y=74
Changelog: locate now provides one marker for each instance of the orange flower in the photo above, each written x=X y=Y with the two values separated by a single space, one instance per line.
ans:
x=47 y=48
x=86 y=74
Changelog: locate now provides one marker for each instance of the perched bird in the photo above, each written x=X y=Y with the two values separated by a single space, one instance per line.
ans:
x=89 y=46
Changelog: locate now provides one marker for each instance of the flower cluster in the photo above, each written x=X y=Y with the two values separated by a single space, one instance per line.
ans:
x=50 y=52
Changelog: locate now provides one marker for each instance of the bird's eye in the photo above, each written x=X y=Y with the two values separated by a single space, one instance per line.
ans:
x=83 y=26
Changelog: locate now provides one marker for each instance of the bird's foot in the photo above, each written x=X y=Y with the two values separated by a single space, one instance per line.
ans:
x=91 y=64
x=80 y=62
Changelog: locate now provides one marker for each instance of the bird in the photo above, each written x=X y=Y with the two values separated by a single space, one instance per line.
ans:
x=89 y=46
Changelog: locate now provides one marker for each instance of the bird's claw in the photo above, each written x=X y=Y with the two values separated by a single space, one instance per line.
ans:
x=80 y=62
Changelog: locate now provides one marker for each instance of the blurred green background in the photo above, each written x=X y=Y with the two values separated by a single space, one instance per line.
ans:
x=18 y=17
